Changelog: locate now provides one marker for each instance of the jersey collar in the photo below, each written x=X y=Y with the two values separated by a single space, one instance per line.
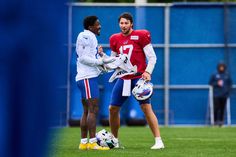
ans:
x=88 y=31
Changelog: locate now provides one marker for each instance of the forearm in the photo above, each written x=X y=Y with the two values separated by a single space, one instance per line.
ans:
x=90 y=61
x=151 y=57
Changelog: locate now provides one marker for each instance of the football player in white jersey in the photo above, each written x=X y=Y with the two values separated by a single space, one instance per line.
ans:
x=88 y=61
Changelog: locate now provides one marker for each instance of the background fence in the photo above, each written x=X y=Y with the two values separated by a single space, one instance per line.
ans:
x=189 y=40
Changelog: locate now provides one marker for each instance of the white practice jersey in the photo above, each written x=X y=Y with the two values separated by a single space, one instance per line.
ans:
x=87 y=62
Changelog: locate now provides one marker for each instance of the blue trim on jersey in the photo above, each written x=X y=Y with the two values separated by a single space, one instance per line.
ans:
x=89 y=88
x=116 y=96
x=97 y=54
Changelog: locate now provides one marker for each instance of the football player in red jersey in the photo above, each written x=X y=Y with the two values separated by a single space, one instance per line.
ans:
x=137 y=45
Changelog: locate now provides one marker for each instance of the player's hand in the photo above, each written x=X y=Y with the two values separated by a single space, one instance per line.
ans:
x=103 y=68
x=220 y=83
x=146 y=76
x=100 y=50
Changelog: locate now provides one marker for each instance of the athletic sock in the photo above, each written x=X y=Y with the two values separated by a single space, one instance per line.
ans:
x=84 y=140
x=92 y=140
x=157 y=139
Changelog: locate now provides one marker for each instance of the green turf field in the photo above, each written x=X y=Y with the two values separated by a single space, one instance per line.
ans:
x=179 y=142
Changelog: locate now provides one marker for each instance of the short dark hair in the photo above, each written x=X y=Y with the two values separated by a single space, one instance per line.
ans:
x=89 y=21
x=127 y=16
x=221 y=63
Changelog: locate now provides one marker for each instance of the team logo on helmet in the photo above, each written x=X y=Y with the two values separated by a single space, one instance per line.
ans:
x=142 y=90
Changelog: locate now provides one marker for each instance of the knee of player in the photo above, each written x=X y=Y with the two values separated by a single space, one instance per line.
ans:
x=93 y=110
x=145 y=108
x=114 y=110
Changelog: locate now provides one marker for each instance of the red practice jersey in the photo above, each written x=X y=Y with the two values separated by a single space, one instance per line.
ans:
x=132 y=45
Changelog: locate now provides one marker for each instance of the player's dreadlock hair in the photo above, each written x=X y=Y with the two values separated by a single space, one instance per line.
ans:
x=127 y=16
x=89 y=21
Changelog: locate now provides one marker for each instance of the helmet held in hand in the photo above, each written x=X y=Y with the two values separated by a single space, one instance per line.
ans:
x=143 y=90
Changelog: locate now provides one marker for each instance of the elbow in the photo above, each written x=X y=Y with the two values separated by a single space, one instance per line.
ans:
x=153 y=60
x=82 y=60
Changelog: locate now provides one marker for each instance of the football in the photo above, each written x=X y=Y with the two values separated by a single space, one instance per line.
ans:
x=105 y=139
